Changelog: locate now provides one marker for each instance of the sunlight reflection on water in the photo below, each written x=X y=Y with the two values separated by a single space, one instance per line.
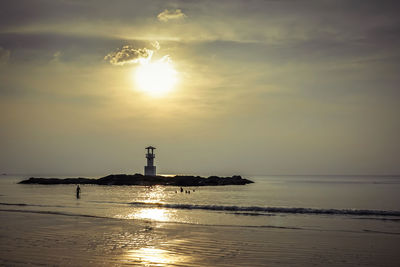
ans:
x=153 y=194
x=155 y=257
x=151 y=214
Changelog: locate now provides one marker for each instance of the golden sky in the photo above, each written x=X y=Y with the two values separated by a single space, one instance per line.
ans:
x=260 y=87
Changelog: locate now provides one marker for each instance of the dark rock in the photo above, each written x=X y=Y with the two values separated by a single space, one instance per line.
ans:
x=139 y=179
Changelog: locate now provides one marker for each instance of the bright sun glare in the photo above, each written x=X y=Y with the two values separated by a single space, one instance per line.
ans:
x=156 y=79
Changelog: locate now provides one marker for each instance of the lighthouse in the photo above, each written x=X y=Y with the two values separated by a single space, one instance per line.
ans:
x=150 y=169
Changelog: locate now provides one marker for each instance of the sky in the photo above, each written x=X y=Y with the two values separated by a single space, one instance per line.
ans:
x=261 y=87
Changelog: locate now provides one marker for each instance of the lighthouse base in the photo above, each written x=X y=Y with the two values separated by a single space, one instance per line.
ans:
x=150 y=170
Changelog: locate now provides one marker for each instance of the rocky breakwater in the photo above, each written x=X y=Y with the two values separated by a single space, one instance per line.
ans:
x=139 y=179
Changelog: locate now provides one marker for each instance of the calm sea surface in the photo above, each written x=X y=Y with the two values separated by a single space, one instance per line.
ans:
x=331 y=203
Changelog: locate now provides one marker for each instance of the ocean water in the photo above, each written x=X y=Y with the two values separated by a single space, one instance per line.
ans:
x=365 y=204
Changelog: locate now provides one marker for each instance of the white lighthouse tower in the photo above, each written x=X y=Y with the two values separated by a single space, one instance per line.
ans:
x=150 y=169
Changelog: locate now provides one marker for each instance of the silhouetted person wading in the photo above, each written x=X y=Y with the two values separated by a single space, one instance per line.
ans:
x=78 y=191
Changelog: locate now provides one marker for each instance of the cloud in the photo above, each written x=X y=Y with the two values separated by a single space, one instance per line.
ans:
x=56 y=56
x=4 y=55
x=167 y=15
x=156 y=45
x=129 y=55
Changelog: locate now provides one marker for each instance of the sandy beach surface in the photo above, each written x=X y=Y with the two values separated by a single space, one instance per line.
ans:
x=30 y=238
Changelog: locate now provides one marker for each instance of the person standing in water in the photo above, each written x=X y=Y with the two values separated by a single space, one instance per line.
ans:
x=78 y=191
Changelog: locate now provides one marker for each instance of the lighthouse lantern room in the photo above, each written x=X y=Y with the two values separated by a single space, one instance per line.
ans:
x=150 y=169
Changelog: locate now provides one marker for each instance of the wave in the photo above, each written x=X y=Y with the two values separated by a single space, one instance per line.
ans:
x=31 y=205
x=381 y=232
x=147 y=221
x=253 y=214
x=378 y=219
x=250 y=210
x=272 y=209
x=56 y=213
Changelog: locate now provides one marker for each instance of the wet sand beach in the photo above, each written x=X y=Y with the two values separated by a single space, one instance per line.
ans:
x=29 y=238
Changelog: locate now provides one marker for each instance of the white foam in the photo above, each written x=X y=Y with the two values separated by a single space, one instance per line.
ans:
x=292 y=210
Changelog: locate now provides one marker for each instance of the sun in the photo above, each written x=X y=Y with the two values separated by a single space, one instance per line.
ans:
x=156 y=78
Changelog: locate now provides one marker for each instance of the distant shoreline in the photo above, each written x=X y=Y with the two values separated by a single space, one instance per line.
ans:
x=139 y=179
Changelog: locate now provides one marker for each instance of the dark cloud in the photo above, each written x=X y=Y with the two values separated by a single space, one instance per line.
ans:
x=27 y=12
x=42 y=47
x=23 y=12
x=243 y=20
x=44 y=41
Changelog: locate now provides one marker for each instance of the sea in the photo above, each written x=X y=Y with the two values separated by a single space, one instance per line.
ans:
x=341 y=203
x=338 y=204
